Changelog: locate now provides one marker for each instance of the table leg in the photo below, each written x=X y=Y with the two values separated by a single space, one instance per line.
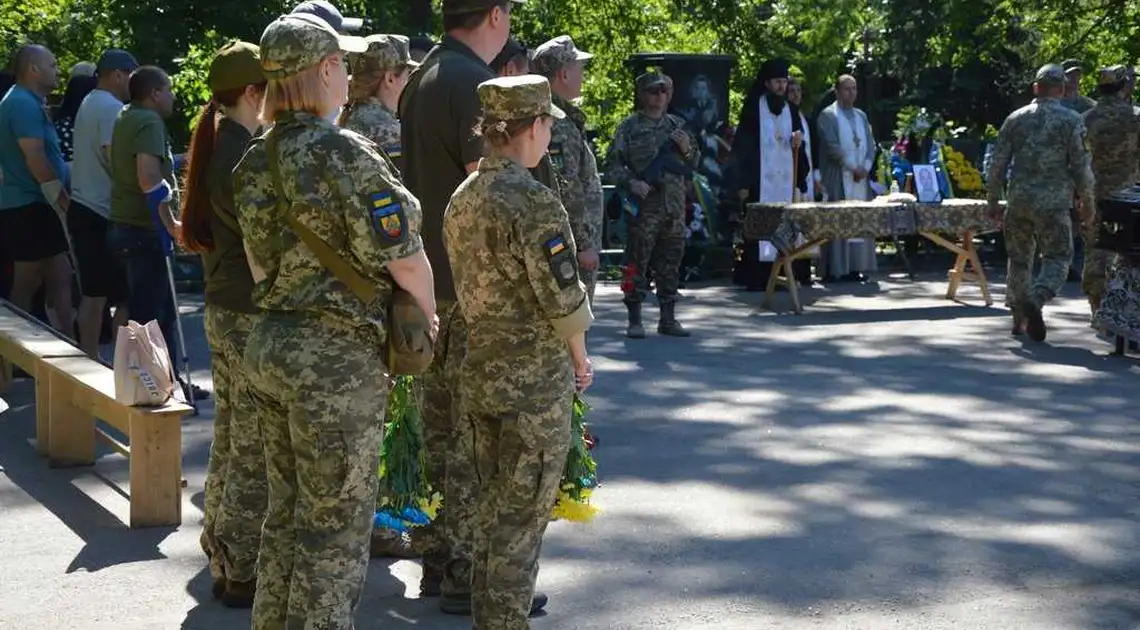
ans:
x=967 y=265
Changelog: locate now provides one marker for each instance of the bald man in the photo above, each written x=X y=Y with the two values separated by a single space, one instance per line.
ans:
x=34 y=188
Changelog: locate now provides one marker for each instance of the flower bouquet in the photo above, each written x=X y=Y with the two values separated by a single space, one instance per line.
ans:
x=406 y=499
x=965 y=178
x=580 y=475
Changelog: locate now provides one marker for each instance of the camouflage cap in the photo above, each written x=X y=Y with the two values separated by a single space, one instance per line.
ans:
x=299 y=41
x=455 y=7
x=552 y=55
x=236 y=65
x=1112 y=75
x=1071 y=65
x=513 y=98
x=652 y=79
x=1050 y=74
x=385 y=52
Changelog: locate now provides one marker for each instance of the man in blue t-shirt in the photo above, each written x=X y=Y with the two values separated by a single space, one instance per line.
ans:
x=34 y=188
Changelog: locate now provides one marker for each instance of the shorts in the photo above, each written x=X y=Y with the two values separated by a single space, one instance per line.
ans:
x=101 y=273
x=32 y=233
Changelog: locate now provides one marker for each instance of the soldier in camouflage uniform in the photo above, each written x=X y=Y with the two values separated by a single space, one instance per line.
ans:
x=379 y=75
x=657 y=233
x=236 y=494
x=1073 y=99
x=562 y=63
x=1046 y=143
x=1114 y=146
x=512 y=250
x=313 y=358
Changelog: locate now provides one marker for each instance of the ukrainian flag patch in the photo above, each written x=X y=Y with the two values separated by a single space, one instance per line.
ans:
x=555 y=246
x=381 y=199
x=394 y=150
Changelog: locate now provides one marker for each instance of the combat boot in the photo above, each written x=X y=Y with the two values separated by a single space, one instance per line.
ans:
x=1094 y=305
x=460 y=604
x=1018 y=323
x=1034 y=322
x=634 y=330
x=668 y=324
x=239 y=594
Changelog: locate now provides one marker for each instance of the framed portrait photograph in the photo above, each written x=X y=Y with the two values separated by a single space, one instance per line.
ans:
x=926 y=184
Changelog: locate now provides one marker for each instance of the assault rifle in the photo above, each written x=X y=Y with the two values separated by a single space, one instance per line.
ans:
x=667 y=160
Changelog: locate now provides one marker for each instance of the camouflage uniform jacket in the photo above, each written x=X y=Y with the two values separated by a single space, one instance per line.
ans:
x=512 y=251
x=573 y=159
x=635 y=144
x=1079 y=103
x=379 y=124
x=348 y=194
x=1046 y=143
x=1114 y=144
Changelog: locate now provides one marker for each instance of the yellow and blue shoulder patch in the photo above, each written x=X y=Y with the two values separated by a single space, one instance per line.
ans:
x=394 y=150
x=388 y=221
x=555 y=246
x=563 y=265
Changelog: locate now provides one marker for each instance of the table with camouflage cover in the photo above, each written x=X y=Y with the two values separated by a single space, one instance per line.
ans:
x=799 y=228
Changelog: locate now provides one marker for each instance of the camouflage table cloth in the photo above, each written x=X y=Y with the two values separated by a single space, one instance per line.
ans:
x=780 y=223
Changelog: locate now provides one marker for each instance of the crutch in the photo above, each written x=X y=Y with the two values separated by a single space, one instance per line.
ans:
x=168 y=253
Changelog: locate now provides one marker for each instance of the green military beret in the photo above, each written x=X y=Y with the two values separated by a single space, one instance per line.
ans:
x=236 y=65
x=514 y=98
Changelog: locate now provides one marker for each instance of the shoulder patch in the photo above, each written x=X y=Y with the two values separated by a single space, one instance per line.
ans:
x=388 y=220
x=563 y=265
x=394 y=150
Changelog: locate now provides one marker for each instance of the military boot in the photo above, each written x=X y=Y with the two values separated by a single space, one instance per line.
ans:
x=460 y=603
x=634 y=330
x=389 y=544
x=1094 y=305
x=1034 y=322
x=1018 y=323
x=668 y=324
x=239 y=594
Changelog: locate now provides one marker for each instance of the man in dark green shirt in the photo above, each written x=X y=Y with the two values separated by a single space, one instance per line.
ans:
x=142 y=188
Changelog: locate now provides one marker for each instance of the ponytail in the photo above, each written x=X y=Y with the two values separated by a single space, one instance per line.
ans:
x=196 y=211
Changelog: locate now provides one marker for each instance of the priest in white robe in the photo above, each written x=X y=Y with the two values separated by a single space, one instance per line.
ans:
x=846 y=163
x=768 y=141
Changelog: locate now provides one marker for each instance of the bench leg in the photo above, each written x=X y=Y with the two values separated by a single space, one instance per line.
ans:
x=156 y=472
x=43 y=411
x=71 y=430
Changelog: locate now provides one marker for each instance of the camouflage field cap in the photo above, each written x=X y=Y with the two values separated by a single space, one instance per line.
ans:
x=552 y=55
x=236 y=65
x=652 y=79
x=514 y=98
x=1050 y=74
x=455 y=7
x=1071 y=65
x=385 y=52
x=1112 y=75
x=298 y=41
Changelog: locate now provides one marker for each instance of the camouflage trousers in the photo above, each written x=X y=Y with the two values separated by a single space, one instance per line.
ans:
x=321 y=391
x=236 y=493
x=520 y=452
x=446 y=542
x=1027 y=231
x=1094 y=276
x=657 y=239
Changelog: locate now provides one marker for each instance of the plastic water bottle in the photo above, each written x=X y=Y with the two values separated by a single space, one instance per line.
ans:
x=894 y=186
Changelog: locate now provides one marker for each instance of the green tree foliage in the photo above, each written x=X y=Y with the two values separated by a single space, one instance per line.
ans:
x=968 y=60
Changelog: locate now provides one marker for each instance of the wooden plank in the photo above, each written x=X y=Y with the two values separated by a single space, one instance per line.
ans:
x=23 y=342
x=96 y=393
x=72 y=428
x=156 y=472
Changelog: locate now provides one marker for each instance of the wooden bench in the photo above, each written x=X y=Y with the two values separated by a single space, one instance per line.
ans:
x=26 y=344
x=71 y=392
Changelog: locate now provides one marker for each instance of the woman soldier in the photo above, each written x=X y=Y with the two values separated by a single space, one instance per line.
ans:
x=313 y=359
x=516 y=277
x=235 y=479
x=379 y=75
